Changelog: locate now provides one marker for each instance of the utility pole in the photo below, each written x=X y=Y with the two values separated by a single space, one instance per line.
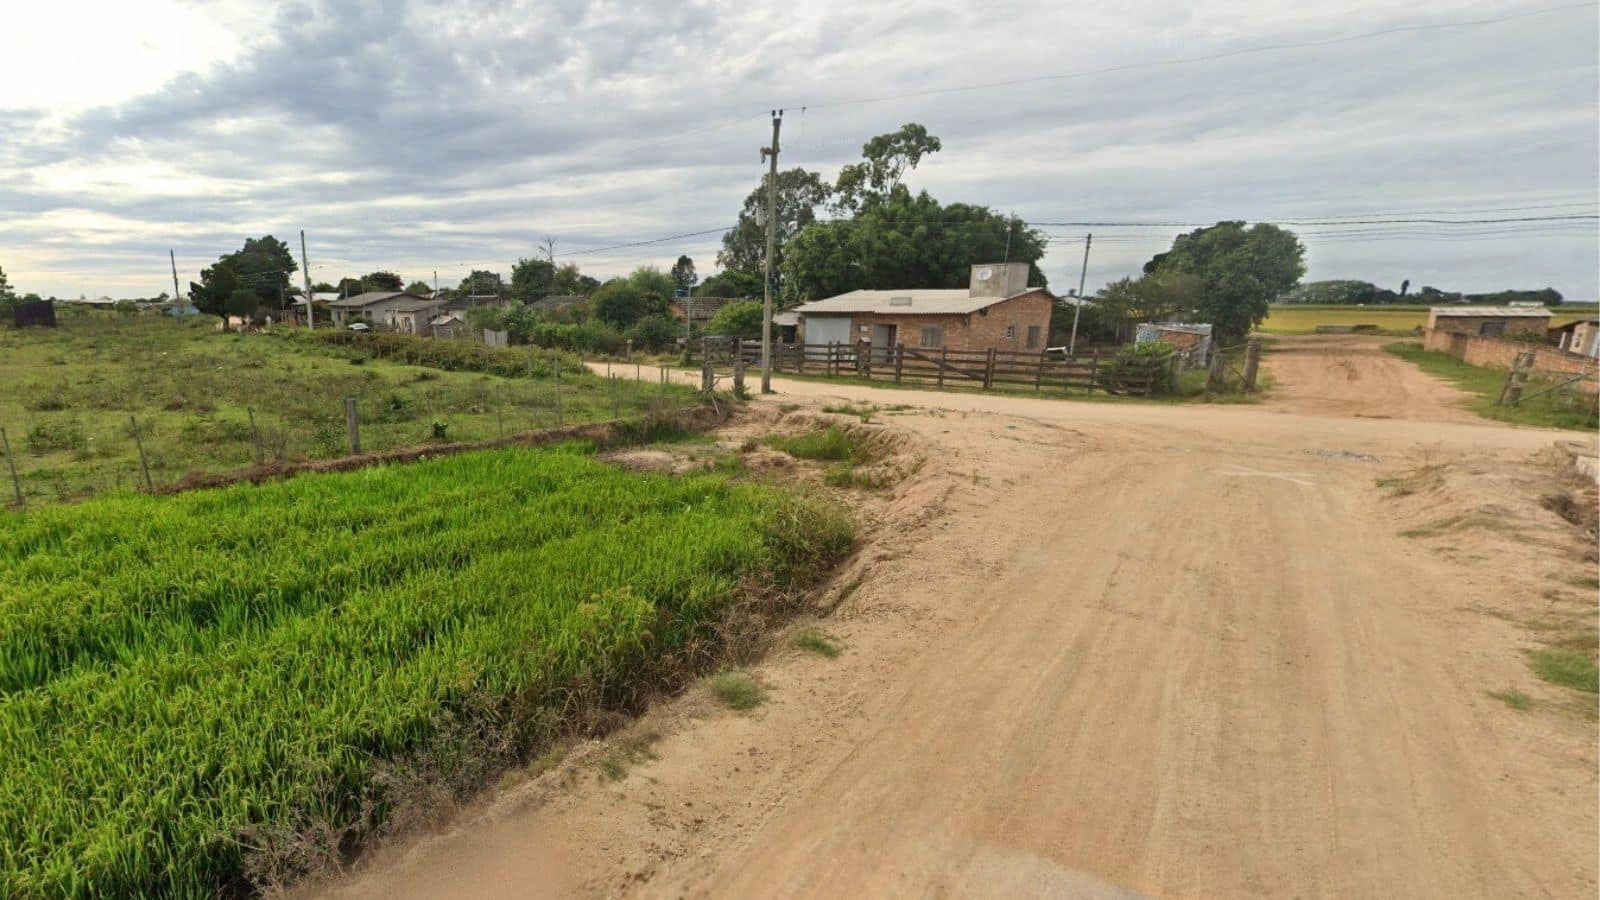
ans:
x=305 y=270
x=771 y=154
x=177 y=298
x=1072 y=345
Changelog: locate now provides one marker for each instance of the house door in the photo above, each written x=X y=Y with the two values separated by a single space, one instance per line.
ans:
x=884 y=338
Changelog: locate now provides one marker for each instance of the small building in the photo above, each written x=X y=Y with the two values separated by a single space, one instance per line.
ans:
x=415 y=316
x=449 y=325
x=996 y=311
x=373 y=307
x=31 y=313
x=1489 y=321
x=1192 y=339
x=698 y=310
x=1582 y=336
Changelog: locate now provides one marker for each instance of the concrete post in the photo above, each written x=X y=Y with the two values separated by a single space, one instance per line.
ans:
x=1252 y=360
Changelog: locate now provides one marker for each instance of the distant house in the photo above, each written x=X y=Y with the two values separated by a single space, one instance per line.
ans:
x=996 y=311
x=1489 y=321
x=698 y=310
x=415 y=317
x=448 y=325
x=1582 y=336
x=374 y=307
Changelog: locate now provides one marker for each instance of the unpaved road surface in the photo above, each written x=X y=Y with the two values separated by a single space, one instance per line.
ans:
x=1104 y=650
x=1352 y=375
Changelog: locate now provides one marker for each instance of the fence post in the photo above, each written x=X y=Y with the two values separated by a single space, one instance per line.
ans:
x=1219 y=370
x=555 y=370
x=988 y=371
x=16 y=483
x=1094 y=371
x=864 y=358
x=1038 y=378
x=353 y=425
x=738 y=375
x=144 y=464
x=944 y=356
x=627 y=350
x=829 y=365
x=616 y=398
x=706 y=380
x=899 y=361
x=1516 y=379
x=1252 y=360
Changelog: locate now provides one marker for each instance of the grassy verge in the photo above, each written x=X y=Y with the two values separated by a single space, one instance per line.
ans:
x=1558 y=409
x=195 y=687
x=208 y=402
x=1294 y=318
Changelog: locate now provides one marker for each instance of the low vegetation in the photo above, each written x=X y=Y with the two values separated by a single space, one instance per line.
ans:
x=815 y=640
x=1555 y=409
x=832 y=443
x=190 y=683
x=1567 y=666
x=1513 y=698
x=205 y=402
x=736 y=689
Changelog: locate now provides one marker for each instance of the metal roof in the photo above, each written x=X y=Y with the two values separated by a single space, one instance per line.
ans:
x=1490 y=312
x=916 y=302
x=369 y=298
x=418 y=304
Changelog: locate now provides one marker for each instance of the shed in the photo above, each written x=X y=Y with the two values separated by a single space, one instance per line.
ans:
x=1489 y=321
x=414 y=316
x=1582 y=336
x=996 y=311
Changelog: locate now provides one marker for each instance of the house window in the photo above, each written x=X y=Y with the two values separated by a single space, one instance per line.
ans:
x=932 y=336
x=1033 y=336
x=1491 y=329
x=1011 y=332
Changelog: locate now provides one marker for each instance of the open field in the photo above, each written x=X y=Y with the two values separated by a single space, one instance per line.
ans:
x=1302 y=319
x=1555 y=409
x=72 y=390
x=219 y=683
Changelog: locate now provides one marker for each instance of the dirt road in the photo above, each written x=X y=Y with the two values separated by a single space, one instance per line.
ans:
x=1352 y=375
x=1109 y=650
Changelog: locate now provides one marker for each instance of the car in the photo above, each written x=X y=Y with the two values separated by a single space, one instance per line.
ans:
x=360 y=326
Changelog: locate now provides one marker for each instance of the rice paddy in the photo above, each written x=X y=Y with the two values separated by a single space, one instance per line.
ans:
x=182 y=675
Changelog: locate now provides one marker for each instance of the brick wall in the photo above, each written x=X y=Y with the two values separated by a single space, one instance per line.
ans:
x=1494 y=353
x=981 y=330
x=1511 y=324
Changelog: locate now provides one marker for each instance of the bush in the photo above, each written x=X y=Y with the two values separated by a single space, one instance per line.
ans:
x=653 y=333
x=739 y=319
x=1136 y=364
x=455 y=356
x=52 y=437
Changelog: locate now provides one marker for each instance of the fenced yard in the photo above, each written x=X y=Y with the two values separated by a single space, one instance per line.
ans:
x=1085 y=373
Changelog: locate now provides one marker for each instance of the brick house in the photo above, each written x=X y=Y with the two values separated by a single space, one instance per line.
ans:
x=1582 y=336
x=996 y=311
x=1488 y=321
x=373 y=307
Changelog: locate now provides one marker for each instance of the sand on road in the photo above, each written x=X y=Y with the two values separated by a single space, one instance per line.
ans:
x=1107 y=650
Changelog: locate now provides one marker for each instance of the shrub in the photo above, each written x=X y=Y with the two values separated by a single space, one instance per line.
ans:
x=739 y=319
x=56 y=436
x=653 y=333
x=831 y=443
x=1136 y=364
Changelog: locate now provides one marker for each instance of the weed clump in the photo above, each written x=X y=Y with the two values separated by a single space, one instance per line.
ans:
x=736 y=689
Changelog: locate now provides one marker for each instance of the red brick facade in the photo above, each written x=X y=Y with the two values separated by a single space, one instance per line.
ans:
x=1481 y=351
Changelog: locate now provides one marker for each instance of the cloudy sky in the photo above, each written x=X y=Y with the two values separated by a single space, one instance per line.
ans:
x=421 y=136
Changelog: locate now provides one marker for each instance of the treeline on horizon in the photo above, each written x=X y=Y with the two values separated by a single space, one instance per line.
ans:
x=1353 y=292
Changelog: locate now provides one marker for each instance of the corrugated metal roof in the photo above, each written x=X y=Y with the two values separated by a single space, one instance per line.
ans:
x=923 y=302
x=1489 y=312
x=368 y=298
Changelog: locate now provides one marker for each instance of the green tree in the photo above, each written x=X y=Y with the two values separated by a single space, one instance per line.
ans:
x=907 y=242
x=618 y=302
x=683 y=274
x=653 y=332
x=1126 y=302
x=481 y=283
x=730 y=284
x=128 y=307
x=419 y=287
x=383 y=281
x=885 y=160
x=322 y=287
x=738 y=319
x=744 y=247
x=655 y=285
x=263 y=266
x=1240 y=271
x=8 y=297
x=532 y=279
x=569 y=282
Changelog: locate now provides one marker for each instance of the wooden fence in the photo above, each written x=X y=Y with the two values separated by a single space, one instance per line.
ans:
x=979 y=369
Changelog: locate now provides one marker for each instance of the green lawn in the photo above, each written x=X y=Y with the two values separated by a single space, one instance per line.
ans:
x=72 y=390
x=1303 y=318
x=198 y=686
x=1559 y=409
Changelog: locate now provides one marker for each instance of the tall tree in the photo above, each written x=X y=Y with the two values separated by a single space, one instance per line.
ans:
x=907 y=242
x=885 y=160
x=569 y=282
x=619 y=302
x=800 y=193
x=1126 y=302
x=480 y=283
x=383 y=281
x=263 y=266
x=419 y=287
x=1240 y=271
x=6 y=293
x=683 y=274
x=532 y=279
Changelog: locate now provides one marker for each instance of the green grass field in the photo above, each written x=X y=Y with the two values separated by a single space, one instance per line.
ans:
x=72 y=390
x=1558 y=409
x=197 y=686
x=1303 y=319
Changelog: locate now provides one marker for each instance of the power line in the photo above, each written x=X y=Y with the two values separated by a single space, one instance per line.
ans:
x=660 y=240
x=1189 y=60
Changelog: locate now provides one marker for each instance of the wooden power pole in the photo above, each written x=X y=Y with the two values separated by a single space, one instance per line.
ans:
x=177 y=298
x=305 y=266
x=1072 y=343
x=770 y=154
